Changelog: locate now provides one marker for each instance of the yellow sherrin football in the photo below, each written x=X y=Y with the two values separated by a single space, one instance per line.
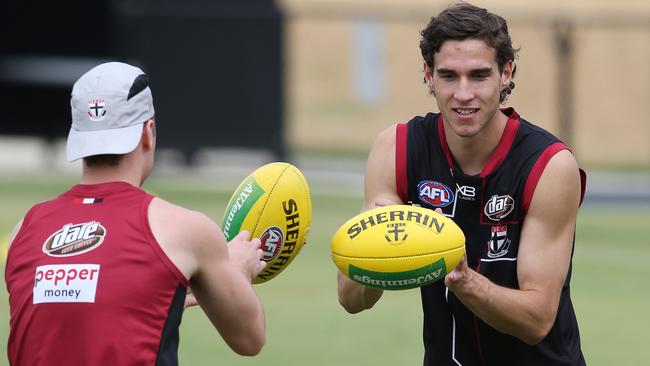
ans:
x=398 y=247
x=273 y=203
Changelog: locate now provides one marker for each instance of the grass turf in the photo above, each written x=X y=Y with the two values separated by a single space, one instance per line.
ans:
x=305 y=324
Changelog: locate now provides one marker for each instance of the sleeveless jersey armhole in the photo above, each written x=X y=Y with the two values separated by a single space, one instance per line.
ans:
x=583 y=184
x=538 y=169
x=144 y=214
x=23 y=226
x=401 y=133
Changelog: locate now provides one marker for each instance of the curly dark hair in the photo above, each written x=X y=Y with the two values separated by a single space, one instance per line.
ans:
x=466 y=21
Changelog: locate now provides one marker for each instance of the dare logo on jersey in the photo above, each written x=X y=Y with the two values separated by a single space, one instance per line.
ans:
x=435 y=193
x=74 y=239
x=272 y=241
x=498 y=207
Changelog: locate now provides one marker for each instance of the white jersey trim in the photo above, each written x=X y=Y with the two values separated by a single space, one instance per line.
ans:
x=498 y=259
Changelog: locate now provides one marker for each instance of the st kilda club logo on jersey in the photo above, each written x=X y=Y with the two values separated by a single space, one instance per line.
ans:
x=499 y=242
x=272 y=242
x=498 y=207
x=96 y=109
x=435 y=193
x=75 y=239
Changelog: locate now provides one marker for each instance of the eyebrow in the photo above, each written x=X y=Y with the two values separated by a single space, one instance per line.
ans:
x=483 y=70
x=474 y=71
x=445 y=71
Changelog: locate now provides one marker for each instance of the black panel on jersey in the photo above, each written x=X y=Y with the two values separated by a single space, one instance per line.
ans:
x=168 y=351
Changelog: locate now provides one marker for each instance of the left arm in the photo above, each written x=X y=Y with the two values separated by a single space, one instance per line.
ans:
x=545 y=248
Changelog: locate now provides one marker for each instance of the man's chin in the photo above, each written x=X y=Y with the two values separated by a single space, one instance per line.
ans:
x=464 y=129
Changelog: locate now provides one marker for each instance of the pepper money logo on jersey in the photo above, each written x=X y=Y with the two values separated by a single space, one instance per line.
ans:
x=65 y=283
x=435 y=193
x=75 y=239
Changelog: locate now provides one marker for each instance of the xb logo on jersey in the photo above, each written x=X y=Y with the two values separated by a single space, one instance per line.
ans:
x=435 y=193
x=467 y=193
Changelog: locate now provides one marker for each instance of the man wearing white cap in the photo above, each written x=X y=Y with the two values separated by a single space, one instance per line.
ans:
x=99 y=274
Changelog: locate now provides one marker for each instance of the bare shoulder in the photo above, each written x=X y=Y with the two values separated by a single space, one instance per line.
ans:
x=184 y=235
x=161 y=211
x=564 y=161
x=558 y=190
x=382 y=153
x=386 y=138
x=562 y=172
x=380 y=187
x=15 y=231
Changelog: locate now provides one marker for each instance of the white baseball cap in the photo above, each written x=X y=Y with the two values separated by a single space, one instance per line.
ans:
x=109 y=106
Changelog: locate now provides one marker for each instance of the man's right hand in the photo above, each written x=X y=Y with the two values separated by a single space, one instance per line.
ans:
x=246 y=254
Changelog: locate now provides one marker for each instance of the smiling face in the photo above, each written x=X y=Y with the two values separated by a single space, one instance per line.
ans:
x=466 y=81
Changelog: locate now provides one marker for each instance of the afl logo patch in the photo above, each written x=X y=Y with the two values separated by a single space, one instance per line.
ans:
x=272 y=241
x=435 y=193
x=74 y=239
x=498 y=207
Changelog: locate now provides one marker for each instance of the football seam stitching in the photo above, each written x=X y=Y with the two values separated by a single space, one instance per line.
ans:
x=269 y=195
x=395 y=257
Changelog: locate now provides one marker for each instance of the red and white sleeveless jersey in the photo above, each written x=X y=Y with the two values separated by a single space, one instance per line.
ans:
x=89 y=284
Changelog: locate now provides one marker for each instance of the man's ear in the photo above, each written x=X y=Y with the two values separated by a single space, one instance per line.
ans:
x=428 y=78
x=506 y=74
x=149 y=134
x=428 y=75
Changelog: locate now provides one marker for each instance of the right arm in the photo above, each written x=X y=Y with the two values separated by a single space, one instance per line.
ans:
x=380 y=189
x=220 y=273
x=222 y=287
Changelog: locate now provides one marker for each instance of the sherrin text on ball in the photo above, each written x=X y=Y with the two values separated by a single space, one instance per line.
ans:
x=274 y=204
x=398 y=247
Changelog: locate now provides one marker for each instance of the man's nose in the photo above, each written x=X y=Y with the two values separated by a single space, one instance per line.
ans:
x=464 y=92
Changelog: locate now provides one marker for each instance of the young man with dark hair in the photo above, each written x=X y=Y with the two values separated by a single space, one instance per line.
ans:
x=512 y=187
x=99 y=274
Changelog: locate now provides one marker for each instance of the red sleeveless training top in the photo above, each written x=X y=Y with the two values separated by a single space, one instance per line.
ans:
x=89 y=284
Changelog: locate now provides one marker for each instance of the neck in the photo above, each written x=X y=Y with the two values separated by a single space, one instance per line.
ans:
x=123 y=172
x=472 y=153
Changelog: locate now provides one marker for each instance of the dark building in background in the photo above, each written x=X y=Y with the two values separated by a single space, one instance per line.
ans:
x=42 y=51
x=215 y=67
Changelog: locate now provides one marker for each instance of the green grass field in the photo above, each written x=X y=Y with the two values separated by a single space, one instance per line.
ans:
x=306 y=326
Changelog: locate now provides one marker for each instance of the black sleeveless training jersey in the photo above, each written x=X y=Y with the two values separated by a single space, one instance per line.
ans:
x=491 y=209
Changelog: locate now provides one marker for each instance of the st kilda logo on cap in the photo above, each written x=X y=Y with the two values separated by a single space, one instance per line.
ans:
x=74 y=239
x=96 y=109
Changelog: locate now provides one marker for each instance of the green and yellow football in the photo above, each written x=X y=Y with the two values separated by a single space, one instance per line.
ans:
x=274 y=204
